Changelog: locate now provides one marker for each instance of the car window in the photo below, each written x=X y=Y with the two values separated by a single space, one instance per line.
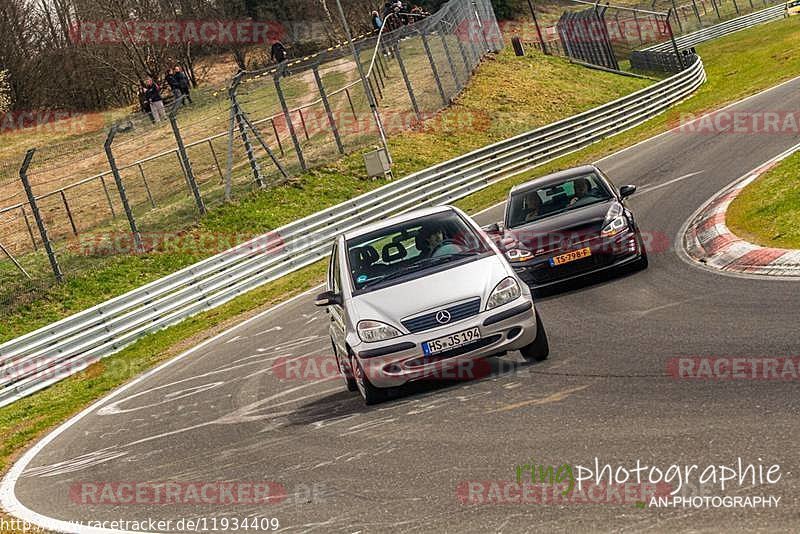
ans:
x=410 y=248
x=331 y=268
x=532 y=204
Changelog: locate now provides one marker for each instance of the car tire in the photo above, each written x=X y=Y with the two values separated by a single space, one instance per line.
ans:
x=642 y=263
x=539 y=349
x=349 y=381
x=370 y=394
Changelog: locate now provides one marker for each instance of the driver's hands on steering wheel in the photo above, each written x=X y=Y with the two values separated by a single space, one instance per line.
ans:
x=437 y=251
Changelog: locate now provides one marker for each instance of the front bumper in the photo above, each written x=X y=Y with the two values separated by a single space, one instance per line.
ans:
x=606 y=253
x=505 y=328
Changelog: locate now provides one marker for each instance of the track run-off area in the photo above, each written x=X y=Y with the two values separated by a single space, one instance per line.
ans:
x=224 y=411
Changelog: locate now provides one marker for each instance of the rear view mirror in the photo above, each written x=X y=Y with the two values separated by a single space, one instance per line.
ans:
x=627 y=190
x=329 y=298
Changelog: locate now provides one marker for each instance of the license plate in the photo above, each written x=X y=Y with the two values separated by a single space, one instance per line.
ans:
x=572 y=255
x=453 y=340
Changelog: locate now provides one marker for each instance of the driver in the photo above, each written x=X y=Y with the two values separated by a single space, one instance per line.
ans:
x=533 y=204
x=582 y=187
x=431 y=242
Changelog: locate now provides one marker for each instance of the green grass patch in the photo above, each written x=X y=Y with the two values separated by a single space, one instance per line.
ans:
x=767 y=211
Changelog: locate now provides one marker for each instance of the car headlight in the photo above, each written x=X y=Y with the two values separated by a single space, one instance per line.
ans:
x=615 y=226
x=518 y=254
x=372 y=331
x=506 y=291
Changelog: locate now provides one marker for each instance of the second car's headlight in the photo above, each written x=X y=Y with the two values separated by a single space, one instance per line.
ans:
x=371 y=331
x=506 y=291
x=518 y=254
x=615 y=226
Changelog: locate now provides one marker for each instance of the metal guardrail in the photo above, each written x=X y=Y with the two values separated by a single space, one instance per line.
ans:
x=689 y=40
x=45 y=356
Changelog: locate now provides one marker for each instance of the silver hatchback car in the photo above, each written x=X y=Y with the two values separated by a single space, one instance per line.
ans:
x=422 y=293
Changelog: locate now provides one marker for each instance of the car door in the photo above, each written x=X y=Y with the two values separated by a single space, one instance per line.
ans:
x=336 y=311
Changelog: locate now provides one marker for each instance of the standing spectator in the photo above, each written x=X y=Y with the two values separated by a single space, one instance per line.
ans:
x=278 y=52
x=377 y=22
x=144 y=104
x=153 y=96
x=183 y=83
x=172 y=81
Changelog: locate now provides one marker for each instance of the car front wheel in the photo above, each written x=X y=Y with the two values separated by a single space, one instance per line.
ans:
x=539 y=349
x=370 y=393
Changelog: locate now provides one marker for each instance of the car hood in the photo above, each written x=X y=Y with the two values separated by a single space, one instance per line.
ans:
x=391 y=304
x=558 y=231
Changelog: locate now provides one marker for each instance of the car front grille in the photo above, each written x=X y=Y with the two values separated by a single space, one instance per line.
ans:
x=457 y=313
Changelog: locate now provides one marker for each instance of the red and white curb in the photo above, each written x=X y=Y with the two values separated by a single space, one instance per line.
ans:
x=708 y=240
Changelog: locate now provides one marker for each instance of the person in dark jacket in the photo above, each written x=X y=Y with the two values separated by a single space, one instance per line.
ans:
x=144 y=104
x=153 y=95
x=278 y=52
x=183 y=83
x=173 y=84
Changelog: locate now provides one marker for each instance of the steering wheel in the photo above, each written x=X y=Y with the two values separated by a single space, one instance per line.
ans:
x=445 y=242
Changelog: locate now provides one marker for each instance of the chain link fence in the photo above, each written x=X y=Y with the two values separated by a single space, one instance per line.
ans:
x=125 y=189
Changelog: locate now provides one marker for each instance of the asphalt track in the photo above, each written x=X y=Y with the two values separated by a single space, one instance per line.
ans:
x=221 y=413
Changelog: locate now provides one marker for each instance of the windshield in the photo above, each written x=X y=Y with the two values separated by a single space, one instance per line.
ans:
x=411 y=248
x=535 y=204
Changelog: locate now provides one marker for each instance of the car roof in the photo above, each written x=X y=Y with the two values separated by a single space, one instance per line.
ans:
x=408 y=216
x=555 y=178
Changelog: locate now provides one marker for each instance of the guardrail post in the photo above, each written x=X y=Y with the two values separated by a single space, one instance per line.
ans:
x=407 y=80
x=48 y=246
x=137 y=238
x=187 y=165
x=248 y=147
x=433 y=68
x=297 y=148
x=327 y=105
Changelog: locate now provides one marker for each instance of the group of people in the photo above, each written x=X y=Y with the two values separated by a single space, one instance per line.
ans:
x=151 y=100
x=404 y=14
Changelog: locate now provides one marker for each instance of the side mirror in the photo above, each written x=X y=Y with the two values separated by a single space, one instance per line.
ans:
x=493 y=228
x=329 y=298
x=627 y=190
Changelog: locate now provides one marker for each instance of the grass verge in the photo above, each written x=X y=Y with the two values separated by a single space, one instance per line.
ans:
x=731 y=76
x=767 y=212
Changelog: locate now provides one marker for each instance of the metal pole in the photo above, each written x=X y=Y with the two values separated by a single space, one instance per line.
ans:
x=677 y=16
x=23 y=174
x=697 y=13
x=146 y=186
x=277 y=137
x=433 y=68
x=328 y=110
x=407 y=81
x=201 y=207
x=297 y=148
x=265 y=146
x=137 y=238
x=69 y=212
x=303 y=123
x=14 y=260
x=30 y=230
x=352 y=107
x=108 y=197
x=229 y=161
x=450 y=62
x=248 y=147
x=370 y=97
x=216 y=160
x=672 y=38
